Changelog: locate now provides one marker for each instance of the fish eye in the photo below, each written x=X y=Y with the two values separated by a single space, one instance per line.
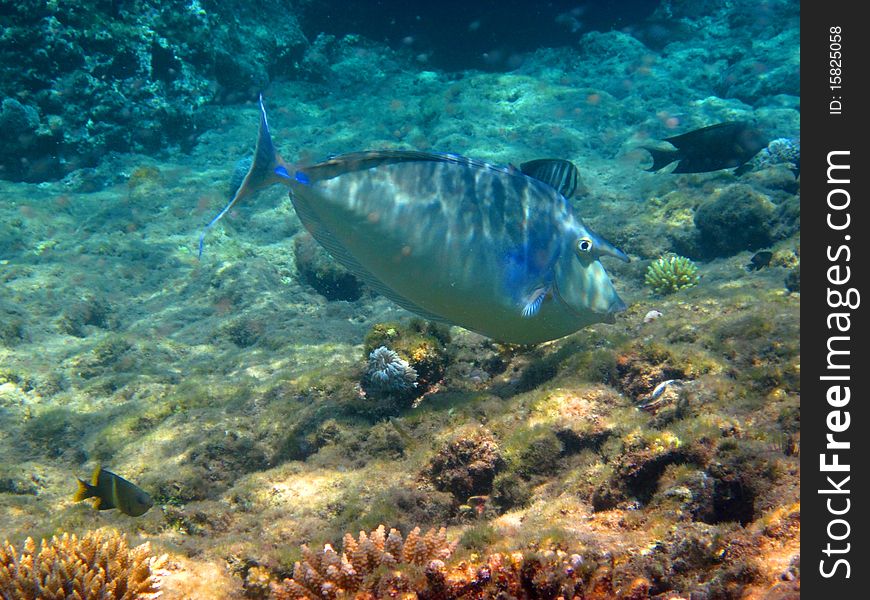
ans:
x=584 y=245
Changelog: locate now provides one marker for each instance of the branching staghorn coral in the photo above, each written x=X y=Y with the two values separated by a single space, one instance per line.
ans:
x=386 y=566
x=99 y=566
x=378 y=565
x=669 y=274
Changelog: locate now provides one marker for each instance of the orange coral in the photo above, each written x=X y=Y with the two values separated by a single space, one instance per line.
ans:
x=374 y=566
x=386 y=566
x=99 y=566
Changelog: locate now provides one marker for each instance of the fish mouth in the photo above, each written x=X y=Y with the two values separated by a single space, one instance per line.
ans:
x=617 y=306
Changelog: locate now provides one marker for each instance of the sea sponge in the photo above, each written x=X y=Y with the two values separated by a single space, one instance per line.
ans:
x=99 y=566
x=377 y=565
x=669 y=274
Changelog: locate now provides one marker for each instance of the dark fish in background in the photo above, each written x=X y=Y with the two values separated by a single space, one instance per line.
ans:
x=722 y=146
x=759 y=260
x=112 y=491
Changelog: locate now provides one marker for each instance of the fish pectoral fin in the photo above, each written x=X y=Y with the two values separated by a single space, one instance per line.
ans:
x=534 y=302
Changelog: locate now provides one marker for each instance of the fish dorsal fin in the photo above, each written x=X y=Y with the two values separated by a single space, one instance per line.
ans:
x=359 y=161
x=339 y=252
x=697 y=134
x=558 y=173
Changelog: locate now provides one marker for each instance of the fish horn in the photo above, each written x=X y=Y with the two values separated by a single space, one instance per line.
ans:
x=267 y=168
x=605 y=248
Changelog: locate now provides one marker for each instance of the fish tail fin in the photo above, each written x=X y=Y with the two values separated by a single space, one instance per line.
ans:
x=267 y=168
x=84 y=491
x=661 y=158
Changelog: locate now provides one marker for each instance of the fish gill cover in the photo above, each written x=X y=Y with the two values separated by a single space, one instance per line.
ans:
x=655 y=456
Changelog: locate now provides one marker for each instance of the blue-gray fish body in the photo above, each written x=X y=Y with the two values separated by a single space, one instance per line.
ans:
x=458 y=240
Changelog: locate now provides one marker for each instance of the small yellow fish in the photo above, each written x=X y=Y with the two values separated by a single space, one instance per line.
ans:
x=112 y=491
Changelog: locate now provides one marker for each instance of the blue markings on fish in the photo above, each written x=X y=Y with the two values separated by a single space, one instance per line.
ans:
x=493 y=249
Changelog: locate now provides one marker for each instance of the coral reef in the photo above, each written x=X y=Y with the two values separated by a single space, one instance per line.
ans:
x=421 y=343
x=99 y=566
x=670 y=274
x=82 y=79
x=403 y=363
x=379 y=565
x=780 y=151
x=386 y=566
x=387 y=373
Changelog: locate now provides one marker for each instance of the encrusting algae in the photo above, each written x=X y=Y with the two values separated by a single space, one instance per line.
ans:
x=99 y=566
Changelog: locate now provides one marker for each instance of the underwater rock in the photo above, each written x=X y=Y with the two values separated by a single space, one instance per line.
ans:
x=642 y=368
x=754 y=81
x=119 y=76
x=27 y=151
x=539 y=456
x=421 y=343
x=793 y=279
x=413 y=360
x=788 y=218
x=738 y=218
x=12 y=329
x=466 y=466
x=89 y=312
x=243 y=332
x=319 y=270
x=509 y=491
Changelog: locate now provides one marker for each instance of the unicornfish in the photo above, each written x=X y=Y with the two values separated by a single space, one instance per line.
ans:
x=493 y=249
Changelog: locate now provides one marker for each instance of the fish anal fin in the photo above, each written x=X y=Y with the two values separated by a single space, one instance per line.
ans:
x=535 y=300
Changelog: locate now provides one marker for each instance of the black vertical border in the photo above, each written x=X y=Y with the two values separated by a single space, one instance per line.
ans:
x=822 y=133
